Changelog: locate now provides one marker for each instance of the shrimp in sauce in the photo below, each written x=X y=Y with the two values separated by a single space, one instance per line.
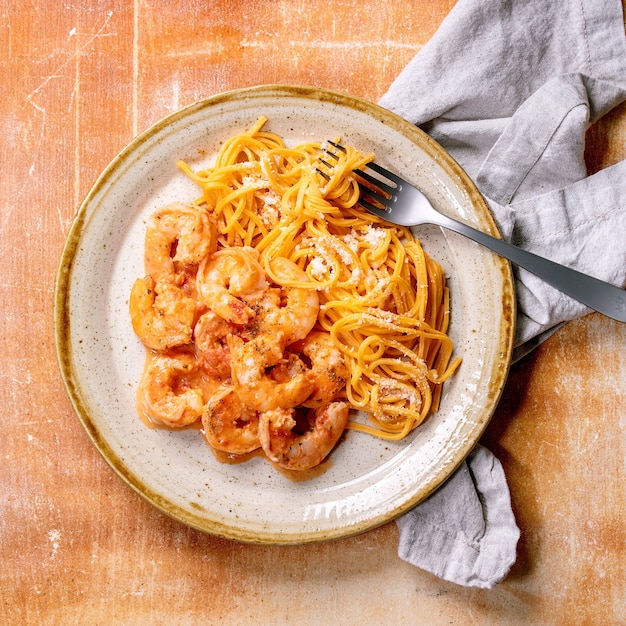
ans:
x=178 y=237
x=210 y=339
x=299 y=308
x=284 y=443
x=173 y=391
x=232 y=348
x=229 y=425
x=328 y=367
x=226 y=277
x=161 y=314
x=251 y=365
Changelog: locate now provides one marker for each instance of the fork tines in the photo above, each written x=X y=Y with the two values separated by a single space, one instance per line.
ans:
x=371 y=200
x=375 y=190
x=374 y=183
x=331 y=155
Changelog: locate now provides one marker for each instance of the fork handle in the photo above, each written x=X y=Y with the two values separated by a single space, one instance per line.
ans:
x=596 y=294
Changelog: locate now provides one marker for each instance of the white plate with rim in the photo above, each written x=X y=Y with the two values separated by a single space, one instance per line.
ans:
x=367 y=481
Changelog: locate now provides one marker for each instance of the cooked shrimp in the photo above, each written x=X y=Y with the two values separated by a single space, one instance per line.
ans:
x=161 y=314
x=178 y=236
x=251 y=365
x=225 y=277
x=212 y=351
x=328 y=367
x=301 y=305
x=229 y=425
x=289 y=366
x=172 y=391
x=285 y=446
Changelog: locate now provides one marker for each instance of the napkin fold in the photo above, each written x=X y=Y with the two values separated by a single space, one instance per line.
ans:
x=509 y=88
x=466 y=531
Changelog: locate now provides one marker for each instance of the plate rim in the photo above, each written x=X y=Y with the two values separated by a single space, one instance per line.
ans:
x=62 y=309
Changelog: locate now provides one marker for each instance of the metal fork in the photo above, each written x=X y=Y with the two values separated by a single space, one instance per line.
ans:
x=388 y=196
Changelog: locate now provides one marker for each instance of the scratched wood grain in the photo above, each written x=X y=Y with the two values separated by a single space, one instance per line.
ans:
x=79 y=80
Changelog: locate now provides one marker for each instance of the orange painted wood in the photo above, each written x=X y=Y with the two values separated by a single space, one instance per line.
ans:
x=79 y=80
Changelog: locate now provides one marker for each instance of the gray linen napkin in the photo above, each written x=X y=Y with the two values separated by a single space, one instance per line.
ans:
x=509 y=88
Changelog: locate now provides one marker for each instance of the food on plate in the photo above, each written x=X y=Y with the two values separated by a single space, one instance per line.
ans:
x=276 y=313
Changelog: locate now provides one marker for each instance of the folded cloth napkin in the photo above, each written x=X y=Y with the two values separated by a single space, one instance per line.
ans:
x=509 y=88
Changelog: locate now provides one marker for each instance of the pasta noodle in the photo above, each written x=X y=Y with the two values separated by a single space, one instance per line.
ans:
x=383 y=300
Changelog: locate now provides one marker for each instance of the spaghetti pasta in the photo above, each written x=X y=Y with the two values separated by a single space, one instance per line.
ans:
x=383 y=300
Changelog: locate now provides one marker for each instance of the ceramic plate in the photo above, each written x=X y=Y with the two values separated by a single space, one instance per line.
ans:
x=366 y=481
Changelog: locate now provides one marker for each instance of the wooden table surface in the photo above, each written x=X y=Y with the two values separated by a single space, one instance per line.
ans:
x=77 y=546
